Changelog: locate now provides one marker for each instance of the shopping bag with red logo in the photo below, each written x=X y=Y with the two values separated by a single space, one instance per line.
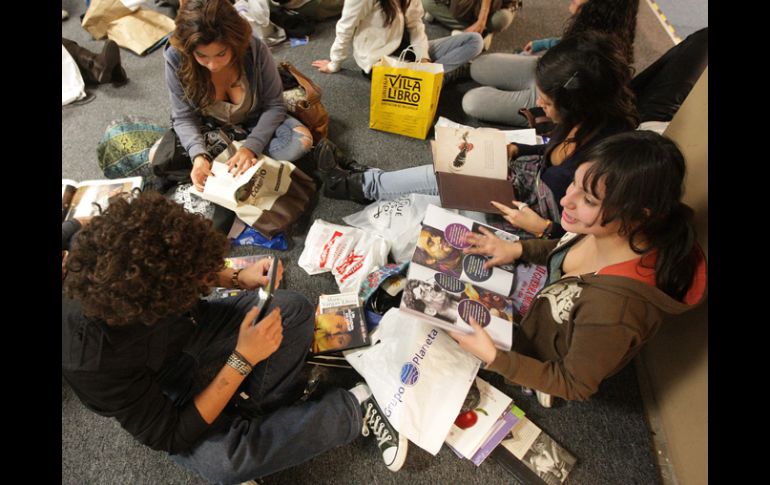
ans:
x=419 y=377
x=349 y=253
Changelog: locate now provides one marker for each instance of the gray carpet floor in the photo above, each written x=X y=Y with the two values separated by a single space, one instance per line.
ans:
x=608 y=434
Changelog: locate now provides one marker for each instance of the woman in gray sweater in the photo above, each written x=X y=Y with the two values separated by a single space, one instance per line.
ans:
x=219 y=75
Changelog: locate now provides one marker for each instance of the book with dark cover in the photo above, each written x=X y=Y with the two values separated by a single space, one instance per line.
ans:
x=339 y=324
x=529 y=447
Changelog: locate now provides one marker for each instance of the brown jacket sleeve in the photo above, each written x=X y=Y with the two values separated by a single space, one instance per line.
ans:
x=537 y=250
x=607 y=332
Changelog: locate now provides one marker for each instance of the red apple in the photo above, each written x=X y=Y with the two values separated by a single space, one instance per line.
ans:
x=467 y=419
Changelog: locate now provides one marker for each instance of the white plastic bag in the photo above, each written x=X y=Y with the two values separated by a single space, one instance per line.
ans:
x=397 y=221
x=72 y=85
x=419 y=376
x=349 y=253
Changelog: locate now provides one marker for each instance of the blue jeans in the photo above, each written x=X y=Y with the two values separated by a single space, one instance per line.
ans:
x=265 y=434
x=381 y=185
x=286 y=143
x=455 y=50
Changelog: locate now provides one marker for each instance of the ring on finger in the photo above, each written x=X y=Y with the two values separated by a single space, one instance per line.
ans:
x=522 y=205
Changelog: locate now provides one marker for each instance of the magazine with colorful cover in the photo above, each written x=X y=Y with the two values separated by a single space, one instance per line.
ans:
x=339 y=324
x=448 y=303
x=91 y=197
x=537 y=451
x=440 y=246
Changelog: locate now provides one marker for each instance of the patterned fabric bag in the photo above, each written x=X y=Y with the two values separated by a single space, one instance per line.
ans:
x=124 y=149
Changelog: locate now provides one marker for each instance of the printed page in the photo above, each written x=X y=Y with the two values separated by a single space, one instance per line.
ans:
x=479 y=152
x=92 y=196
x=222 y=187
x=440 y=246
x=461 y=302
x=526 y=136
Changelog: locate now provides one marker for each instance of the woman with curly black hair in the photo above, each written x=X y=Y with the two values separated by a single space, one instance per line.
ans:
x=201 y=380
x=508 y=80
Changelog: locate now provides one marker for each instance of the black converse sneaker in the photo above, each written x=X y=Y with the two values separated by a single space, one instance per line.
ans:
x=392 y=444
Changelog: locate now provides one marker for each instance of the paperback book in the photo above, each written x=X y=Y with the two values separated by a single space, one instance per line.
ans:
x=477 y=418
x=499 y=431
x=527 y=444
x=339 y=324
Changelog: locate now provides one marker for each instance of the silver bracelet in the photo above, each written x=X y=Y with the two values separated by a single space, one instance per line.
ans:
x=236 y=362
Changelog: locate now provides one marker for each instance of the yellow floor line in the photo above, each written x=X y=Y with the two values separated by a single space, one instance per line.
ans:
x=664 y=21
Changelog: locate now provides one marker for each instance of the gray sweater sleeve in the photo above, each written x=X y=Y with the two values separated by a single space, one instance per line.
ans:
x=184 y=119
x=269 y=99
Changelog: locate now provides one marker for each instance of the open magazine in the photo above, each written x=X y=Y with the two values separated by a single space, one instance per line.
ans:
x=448 y=288
x=91 y=197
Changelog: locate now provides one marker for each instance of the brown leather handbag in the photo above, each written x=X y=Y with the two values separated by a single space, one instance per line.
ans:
x=303 y=100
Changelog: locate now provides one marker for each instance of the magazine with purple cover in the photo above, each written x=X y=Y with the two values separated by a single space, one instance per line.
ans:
x=502 y=427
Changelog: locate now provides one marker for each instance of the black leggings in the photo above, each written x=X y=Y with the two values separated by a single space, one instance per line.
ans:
x=663 y=86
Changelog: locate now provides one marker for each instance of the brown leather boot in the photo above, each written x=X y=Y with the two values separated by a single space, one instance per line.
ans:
x=99 y=68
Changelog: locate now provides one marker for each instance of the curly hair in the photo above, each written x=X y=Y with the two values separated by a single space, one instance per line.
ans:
x=201 y=22
x=614 y=17
x=589 y=82
x=143 y=261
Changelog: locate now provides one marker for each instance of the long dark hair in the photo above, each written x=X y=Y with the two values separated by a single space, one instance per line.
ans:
x=588 y=81
x=614 y=17
x=201 y=22
x=392 y=8
x=643 y=173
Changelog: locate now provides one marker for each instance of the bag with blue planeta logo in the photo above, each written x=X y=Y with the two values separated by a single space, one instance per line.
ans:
x=419 y=377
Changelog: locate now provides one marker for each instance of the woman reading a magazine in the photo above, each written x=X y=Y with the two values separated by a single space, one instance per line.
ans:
x=629 y=256
x=219 y=75
x=199 y=379
x=583 y=84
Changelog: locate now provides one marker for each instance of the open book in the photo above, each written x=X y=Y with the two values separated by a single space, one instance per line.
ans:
x=91 y=197
x=447 y=288
x=471 y=166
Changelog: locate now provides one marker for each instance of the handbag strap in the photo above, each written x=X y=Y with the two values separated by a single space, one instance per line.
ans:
x=312 y=90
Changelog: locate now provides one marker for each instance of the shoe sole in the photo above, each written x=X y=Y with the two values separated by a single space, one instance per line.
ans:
x=403 y=444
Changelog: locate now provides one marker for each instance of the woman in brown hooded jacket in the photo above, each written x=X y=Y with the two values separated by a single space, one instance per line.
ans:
x=628 y=257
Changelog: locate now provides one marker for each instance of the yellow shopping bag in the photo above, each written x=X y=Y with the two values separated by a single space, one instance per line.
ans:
x=404 y=96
